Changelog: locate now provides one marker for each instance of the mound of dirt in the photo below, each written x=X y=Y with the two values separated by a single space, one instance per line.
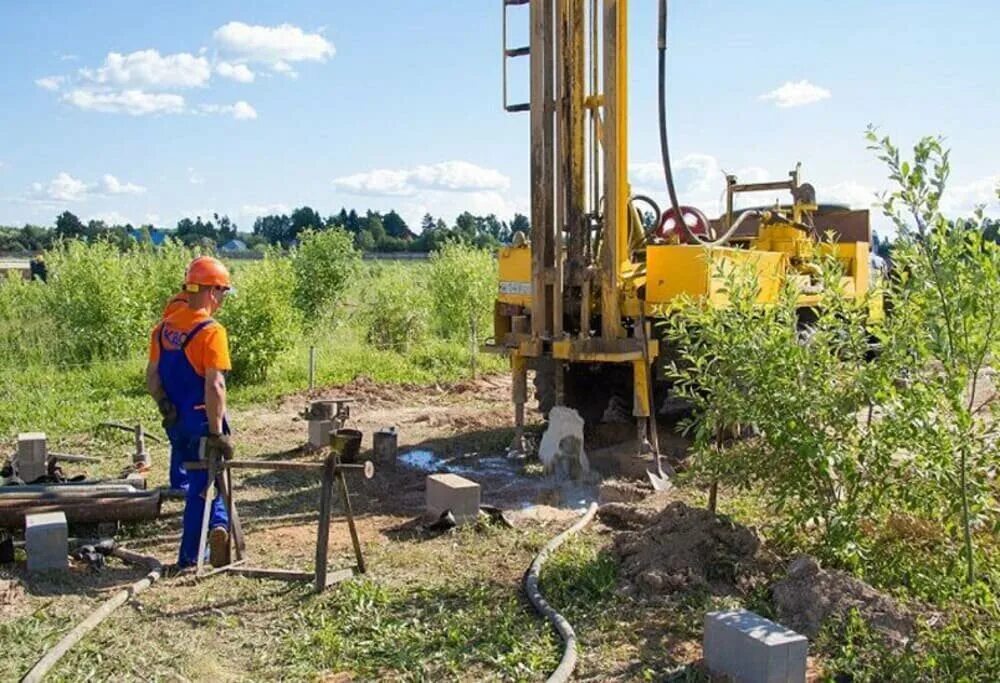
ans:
x=809 y=596
x=682 y=548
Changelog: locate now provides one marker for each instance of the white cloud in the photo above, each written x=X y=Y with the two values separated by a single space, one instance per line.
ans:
x=236 y=72
x=700 y=181
x=111 y=185
x=51 y=83
x=147 y=68
x=62 y=188
x=284 y=68
x=446 y=176
x=253 y=211
x=67 y=57
x=962 y=200
x=240 y=110
x=796 y=94
x=849 y=192
x=194 y=177
x=111 y=218
x=134 y=102
x=273 y=45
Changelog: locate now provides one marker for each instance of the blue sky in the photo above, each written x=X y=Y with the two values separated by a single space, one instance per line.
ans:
x=148 y=112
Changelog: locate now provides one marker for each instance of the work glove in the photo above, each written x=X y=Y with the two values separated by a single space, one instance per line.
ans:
x=168 y=411
x=221 y=444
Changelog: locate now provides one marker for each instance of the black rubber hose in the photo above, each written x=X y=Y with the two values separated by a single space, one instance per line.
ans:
x=661 y=48
x=563 y=627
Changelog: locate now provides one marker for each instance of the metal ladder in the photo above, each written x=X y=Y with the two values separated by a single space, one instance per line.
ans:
x=508 y=53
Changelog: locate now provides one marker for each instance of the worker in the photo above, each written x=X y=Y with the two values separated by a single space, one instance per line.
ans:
x=178 y=475
x=188 y=356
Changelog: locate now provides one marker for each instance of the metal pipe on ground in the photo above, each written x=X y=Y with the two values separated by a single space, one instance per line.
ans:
x=83 y=509
x=54 y=654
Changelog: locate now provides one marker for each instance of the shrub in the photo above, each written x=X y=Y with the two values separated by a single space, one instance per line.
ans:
x=395 y=309
x=261 y=318
x=826 y=469
x=96 y=301
x=27 y=329
x=463 y=285
x=324 y=264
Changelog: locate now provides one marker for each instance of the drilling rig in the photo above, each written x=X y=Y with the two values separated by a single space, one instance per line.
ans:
x=584 y=290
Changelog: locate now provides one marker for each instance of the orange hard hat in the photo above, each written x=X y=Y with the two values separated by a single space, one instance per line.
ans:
x=206 y=271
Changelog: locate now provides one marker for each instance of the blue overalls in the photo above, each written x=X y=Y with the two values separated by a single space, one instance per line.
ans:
x=186 y=390
x=178 y=475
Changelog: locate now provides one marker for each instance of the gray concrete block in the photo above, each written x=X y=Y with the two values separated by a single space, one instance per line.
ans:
x=319 y=433
x=46 y=541
x=32 y=454
x=751 y=649
x=455 y=493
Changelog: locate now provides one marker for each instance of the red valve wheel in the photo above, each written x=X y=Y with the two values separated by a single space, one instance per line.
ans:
x=670 y=227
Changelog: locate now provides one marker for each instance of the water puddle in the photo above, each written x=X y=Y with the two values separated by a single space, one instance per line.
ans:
x=520 y=491
x=429 y=461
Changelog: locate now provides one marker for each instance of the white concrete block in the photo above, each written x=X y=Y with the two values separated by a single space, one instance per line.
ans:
x=455 y=493
x=32 y=454
x=319 y=433
x=751 y=649
x=561 y=448
x=46 y=540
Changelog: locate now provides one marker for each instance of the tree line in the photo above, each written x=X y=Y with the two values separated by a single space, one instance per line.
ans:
x=370 y=231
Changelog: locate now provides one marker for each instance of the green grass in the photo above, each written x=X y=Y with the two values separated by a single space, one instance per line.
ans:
x=64 y=401
x=473 y=629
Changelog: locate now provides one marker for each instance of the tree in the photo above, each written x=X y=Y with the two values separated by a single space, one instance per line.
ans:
x=325 y=263
x=227 y=229
x=426 y=223
x=463 y=287
x=275 y=229
x=305 y=218
x=520 y=224
x=69 y=227
x=395 y=226
x=948 y=282
x=197 y=232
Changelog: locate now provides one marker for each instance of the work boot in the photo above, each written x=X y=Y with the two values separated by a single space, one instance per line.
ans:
x=218 y=546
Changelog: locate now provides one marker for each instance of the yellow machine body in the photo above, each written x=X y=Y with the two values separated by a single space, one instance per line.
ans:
x=588 y=282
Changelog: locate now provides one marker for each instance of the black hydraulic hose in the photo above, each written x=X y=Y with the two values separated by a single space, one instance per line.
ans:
x=668 y=173
x=565 y=629
x=661 y=48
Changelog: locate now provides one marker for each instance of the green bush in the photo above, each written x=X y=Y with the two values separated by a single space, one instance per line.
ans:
x=96 y=296
x=463 y=286
x=395 y=307
x=324 y=264
x=261 y=318
x=27 y=328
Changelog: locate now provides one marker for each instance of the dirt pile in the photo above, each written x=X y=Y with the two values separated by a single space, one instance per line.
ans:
x=681 y=548
x=809 y=596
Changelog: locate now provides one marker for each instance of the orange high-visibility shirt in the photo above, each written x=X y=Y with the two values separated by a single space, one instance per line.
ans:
x=175 y=303
x=208 y=350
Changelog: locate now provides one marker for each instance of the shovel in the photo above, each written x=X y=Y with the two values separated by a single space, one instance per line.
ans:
x=659 y=479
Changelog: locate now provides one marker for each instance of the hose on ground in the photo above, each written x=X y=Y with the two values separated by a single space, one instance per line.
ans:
x=56 y=652
x=563 y=627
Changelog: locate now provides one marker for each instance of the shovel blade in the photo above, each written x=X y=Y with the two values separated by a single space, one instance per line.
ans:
x=660 y=481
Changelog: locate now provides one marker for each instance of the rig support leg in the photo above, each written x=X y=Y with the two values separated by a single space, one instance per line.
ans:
x=519 y=393
x=640 y=403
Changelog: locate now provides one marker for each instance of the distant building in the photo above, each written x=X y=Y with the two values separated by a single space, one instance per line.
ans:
x=156 y=236
x=233 y=245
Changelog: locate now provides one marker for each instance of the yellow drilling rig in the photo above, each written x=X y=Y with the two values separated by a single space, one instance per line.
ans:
x=583 y=292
